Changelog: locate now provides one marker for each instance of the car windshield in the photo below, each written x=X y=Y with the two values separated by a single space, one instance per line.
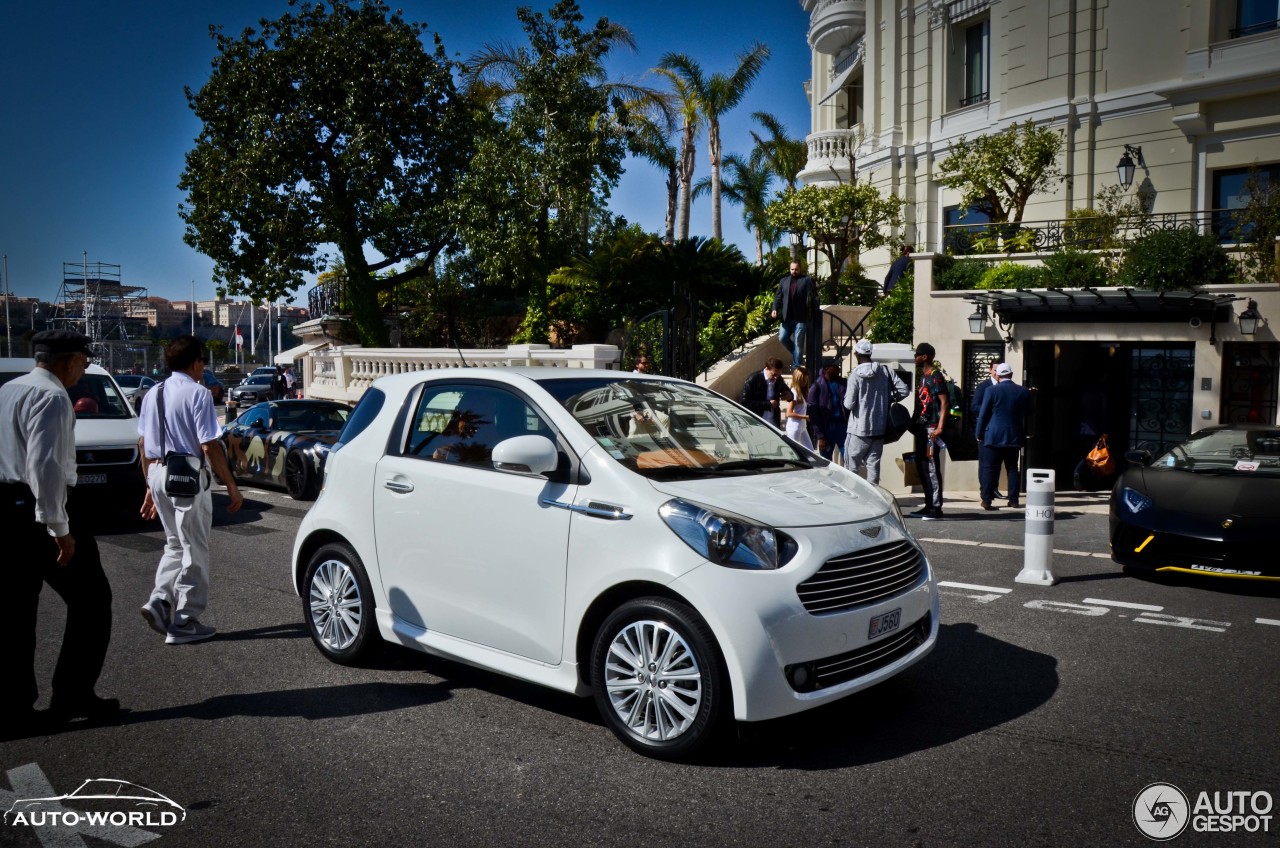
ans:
x=670 y=430
x=260 y=380
x=95 y=396
x=1255 y=452
x=311 y=417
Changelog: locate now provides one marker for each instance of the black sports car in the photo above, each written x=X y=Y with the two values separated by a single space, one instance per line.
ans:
x=1210 y=505
x=284 y=443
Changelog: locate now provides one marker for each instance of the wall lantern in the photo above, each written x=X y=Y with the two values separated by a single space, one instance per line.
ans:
x=1125 y=168
x=978 y=320
x=1249 y=319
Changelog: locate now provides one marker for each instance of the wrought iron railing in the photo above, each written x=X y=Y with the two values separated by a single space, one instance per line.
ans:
x=980 y=97
x=327 y=299
x=1090 y=233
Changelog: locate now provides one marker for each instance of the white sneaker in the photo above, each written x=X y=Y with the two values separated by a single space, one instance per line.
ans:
x=156 y=613
x=191 y=631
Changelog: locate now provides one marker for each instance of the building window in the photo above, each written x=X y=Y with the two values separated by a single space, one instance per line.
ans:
x=852 y=115
x=1230 y=193
x=1249 y=376
x=977 y=63
x=961 y=226
x=1255 y=16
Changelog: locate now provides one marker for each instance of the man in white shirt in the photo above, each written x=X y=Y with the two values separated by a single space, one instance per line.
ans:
x=46 y=543
x=188 y=426
x=289 y=381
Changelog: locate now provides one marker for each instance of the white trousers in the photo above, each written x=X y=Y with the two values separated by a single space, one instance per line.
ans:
x=182 y=579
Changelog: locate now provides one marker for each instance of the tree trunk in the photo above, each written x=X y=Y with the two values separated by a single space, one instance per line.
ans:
x=759 y=249
x=713 y=144
x=673 y=200
x=686 y=178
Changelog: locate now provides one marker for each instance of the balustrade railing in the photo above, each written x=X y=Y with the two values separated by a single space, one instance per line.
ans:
x=1089 y=233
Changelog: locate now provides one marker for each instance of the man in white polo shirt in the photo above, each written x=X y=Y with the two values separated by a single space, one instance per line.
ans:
x=188 y=426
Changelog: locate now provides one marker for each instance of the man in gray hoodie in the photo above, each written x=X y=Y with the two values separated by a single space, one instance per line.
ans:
x=871 y=389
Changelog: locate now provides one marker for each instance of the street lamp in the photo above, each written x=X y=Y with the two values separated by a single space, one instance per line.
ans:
x=978 y=320
x=1249 y=319
x=1125 y=167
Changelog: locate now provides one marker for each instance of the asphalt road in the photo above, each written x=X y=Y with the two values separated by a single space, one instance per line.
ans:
x=1041 y=715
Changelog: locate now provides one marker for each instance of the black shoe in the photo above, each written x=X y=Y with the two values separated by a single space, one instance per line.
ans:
x=23 y=724
x=92 y=708
x=933 y=515
x=1014 y=505
x=924 y=510
x=987 y=506
x=998 y=497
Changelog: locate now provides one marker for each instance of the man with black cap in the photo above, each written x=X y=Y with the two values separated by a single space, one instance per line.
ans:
x=45 y=545
x=927 y=423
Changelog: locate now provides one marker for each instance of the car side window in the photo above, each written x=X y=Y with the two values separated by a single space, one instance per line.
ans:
x=254 y=418
x=463 y=423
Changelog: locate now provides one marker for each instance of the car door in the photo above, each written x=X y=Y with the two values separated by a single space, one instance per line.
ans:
x=251 y=429
x=464 y=549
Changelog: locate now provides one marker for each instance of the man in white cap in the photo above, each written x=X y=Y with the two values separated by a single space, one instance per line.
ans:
x=1001 y=430
x=871 y=389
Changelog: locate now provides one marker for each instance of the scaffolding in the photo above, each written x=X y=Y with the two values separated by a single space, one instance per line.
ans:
x=92 y=300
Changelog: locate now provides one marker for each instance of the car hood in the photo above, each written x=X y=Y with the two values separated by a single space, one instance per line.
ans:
x=1239 y=495
x=103 y=432
x=810 y=498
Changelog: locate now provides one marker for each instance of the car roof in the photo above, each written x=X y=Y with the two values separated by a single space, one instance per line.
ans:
x=9 y=364
x=516 y=376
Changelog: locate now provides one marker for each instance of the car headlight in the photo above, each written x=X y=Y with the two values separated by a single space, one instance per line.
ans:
x=728 y=540
x=1135 y=500
x=893 y=503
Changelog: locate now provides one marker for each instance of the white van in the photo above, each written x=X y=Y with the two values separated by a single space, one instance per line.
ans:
x=106 y=438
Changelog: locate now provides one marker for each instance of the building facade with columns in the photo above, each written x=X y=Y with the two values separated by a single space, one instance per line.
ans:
x=1187 y=90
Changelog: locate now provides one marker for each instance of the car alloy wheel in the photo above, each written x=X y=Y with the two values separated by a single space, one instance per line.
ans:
x=297 y=477
x=339 y=604
x=658 y=677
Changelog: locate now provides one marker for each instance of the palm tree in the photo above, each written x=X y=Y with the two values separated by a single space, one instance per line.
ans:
x=650 y=121
x=748 y=186
x=785 y=157
x=716 y=95
x=685 y=98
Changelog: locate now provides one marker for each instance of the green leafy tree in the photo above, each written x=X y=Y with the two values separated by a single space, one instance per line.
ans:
x=713 y=96
x=747 y=186
x=785 y=157
x=1258 y=229
x=602 y=288
x=549 y=155
x=893 y=319
x=844 y=220
x=303 y=148
x=1176 y=260
x=999 y=173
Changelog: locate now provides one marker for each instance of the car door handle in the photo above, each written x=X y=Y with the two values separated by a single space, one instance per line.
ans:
x=592 y=508
x=399 y=486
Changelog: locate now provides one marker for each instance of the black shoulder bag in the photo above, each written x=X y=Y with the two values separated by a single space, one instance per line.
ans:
x=898 y=420
x=181 y=475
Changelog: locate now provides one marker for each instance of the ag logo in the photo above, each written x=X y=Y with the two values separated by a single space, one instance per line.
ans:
x=1161 y=811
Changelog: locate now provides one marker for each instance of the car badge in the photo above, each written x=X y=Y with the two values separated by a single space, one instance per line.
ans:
x=1226 y=525
x=870 y=532
x=90 y=458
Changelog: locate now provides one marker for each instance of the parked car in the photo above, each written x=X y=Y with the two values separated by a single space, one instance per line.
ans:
x=135 y=387
x=214 y=385
x=577 y=532
x=257 y=388
x=108 y=473
x=284 y=443
x=1209 y=506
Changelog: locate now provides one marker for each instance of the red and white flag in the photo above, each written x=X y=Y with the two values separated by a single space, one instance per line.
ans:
x=239 y=338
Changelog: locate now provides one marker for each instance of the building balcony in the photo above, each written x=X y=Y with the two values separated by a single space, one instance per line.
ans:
x=830 y=152
x=835 y=24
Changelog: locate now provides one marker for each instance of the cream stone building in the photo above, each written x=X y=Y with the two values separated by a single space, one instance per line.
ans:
x=1187 y=91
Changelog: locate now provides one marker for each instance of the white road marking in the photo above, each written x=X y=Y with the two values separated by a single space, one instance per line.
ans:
x=973 y=586
x=1182 y=621
x=1003 y=547
x=1124 y=604
x=1271 y=621
x=1063 y=606
x=982 y=599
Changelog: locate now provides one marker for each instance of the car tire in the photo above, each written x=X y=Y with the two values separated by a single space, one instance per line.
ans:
x=299 y=479
x=668 y=704
x=338 y=604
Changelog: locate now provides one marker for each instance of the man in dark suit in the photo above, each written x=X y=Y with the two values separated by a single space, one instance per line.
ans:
x=793 y=305
x=760 y=391
x=979 y=392
x=1001 y=430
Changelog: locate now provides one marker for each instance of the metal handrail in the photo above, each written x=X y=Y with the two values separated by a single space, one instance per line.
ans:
x=1085 y=233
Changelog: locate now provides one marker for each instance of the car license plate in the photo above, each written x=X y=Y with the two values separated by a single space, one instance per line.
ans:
x=90 y=479
x=886 y=622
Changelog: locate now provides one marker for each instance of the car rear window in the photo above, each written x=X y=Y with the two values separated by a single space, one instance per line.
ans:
x=361 y=417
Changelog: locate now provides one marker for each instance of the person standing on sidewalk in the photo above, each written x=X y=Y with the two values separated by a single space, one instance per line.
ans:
x=46 y=542
x=871 y=389
x=178 y=418
x=826 y=410
x=1001 y=429
x=793 y=304
x=927 y=422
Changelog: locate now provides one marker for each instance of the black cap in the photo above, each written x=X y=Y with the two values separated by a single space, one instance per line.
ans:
x=926 y=349
x=60 y=341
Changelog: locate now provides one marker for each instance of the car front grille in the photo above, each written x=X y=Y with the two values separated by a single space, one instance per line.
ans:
x=866 y=577
x=106 y=456
x=841 y=668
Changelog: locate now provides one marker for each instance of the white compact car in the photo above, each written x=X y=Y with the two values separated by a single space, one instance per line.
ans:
x=109 y=474
x=635 y=538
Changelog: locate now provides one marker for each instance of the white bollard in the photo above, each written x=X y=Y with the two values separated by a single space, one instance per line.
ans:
x=1038 y=540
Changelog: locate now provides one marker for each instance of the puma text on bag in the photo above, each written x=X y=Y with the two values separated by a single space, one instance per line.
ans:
x=181 y=475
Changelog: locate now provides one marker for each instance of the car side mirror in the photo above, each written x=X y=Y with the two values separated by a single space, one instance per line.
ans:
x=1138 y=457
x=526 y=454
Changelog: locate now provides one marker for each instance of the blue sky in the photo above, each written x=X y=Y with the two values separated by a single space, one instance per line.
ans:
x=94 y=123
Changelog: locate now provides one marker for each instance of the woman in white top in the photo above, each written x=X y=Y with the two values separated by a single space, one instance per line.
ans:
x=798 y=410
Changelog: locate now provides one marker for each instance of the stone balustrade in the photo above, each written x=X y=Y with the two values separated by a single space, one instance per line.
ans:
x=343 y=373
